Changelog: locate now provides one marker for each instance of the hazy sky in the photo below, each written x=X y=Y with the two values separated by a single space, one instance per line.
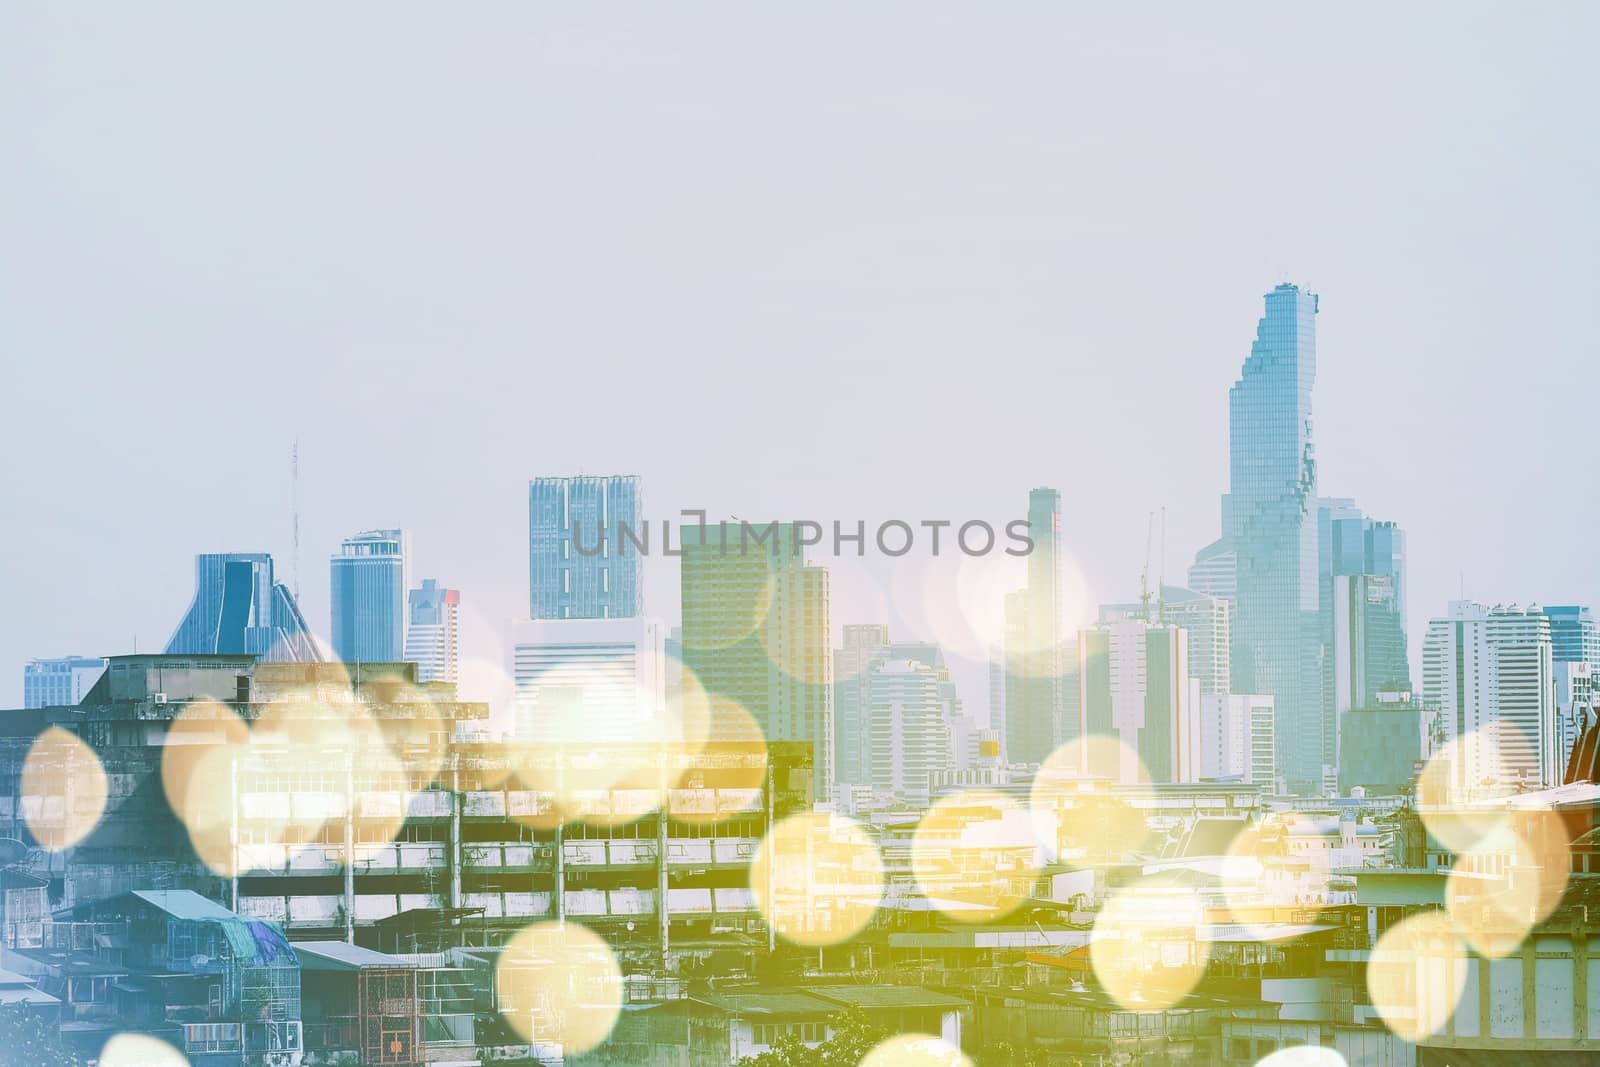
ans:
x=830 y=261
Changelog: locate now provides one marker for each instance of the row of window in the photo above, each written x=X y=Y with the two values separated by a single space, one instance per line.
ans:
x=768 y=1033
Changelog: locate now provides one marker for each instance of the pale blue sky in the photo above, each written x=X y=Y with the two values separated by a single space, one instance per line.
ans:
x=886 y=260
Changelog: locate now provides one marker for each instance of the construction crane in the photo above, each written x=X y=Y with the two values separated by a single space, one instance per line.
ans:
x=1144 y=575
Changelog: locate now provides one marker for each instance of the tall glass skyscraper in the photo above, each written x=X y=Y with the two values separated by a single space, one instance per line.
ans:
x=1035 y=708
x=368 y=577
x=238 y=608
x=1269 y=517
x=596 y=576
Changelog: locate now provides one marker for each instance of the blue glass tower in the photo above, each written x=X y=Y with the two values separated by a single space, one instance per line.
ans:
x=239 y=609
x=1269 y=517
x=596 y=575
x=369 y=598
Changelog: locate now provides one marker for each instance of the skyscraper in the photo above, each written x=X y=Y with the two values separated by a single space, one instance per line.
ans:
x=910 y=727
x=756 y=632
x=1490 y=669
x=1237 y=738
x=1575 y=650
x=369 y=580
x=1135 y=685
x=1034 y=707
x=852 y=737
x=1269 y=519
x=1206 y=618
x=433 y=632
x=1362 y=578
x=582 y=560
x=239 y=609
x=53 y=682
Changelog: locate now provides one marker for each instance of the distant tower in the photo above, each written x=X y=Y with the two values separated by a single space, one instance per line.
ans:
x=433 y=632
x=239 y=608
x=581 y=564
x=368 y=578
x=50 y=683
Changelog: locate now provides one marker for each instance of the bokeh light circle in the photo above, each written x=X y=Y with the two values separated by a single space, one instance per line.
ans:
x=1416 y=975
x=975 y=856
x=817 y=878
x=560 y=981
x=63 y=789
x=1147 y=951
x=915 y=1050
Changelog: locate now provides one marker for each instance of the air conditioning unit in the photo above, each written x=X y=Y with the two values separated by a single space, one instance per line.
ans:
x=159 y=698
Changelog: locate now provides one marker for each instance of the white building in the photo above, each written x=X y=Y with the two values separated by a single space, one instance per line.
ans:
x=1134 y=684
x=1491 y=669
x=1237 y=738
x=433 y=632
x=588 y=680
x=48 y=683
x=909 y=730
x=1205 y=617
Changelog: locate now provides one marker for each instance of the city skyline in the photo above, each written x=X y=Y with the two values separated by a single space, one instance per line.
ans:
x=1047 y=224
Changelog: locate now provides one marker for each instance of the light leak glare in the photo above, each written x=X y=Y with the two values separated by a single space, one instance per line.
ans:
x=559 y=982
x=915 y=1050
x=63 y=790
x=1147 y=950
x=140 y=1050
x=1416 y=975
x=975 y=856
x=817 y=878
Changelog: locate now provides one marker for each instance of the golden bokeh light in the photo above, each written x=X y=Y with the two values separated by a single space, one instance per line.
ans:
x=1148 y=951
x=1416 y=975
x=1073 y=814
x=915 y=1050
x=63 y=789
x=140 y=1050
x=1509 y=882
x=975 y=855
x=1458 y=779
x=559 y=982
x=817 y=878
x=732 y=768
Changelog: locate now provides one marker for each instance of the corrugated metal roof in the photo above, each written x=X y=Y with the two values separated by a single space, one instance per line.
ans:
x=339 y=956
x=887 y=996
x=184 y=904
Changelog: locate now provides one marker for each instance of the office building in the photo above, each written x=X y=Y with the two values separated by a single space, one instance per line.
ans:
x=589 y=680
x=240 y=609
x=1269 y=518
x=756 y=632
x=1490 y=669
x=1034 y=706
x=1381 y=745
x=1134 y=685
x=51 y=682
x=368 y=577
x=910 y=728
x=1237 y=739
x=1205 y=617
x=1215 y=571
x=1575 y=652
x=586 y=540
x=852 y=739
x=433 y=632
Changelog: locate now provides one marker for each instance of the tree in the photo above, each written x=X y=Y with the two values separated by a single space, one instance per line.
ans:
x=30 y=1038
x=854 y=1036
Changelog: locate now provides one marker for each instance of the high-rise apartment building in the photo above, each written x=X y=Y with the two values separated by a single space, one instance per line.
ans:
x=1215 y=571
x=433 y=632
x=756 y=631
x=368 y=579
x=48 y=683
x=240 y=609
x=1206 y=618
x=910 y=727
x=1237 y=738
x=1269 y=518
x=852 y=734
x=585 y=544
x=1034 y=705
x=1134 y=685
x=1491 y=669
